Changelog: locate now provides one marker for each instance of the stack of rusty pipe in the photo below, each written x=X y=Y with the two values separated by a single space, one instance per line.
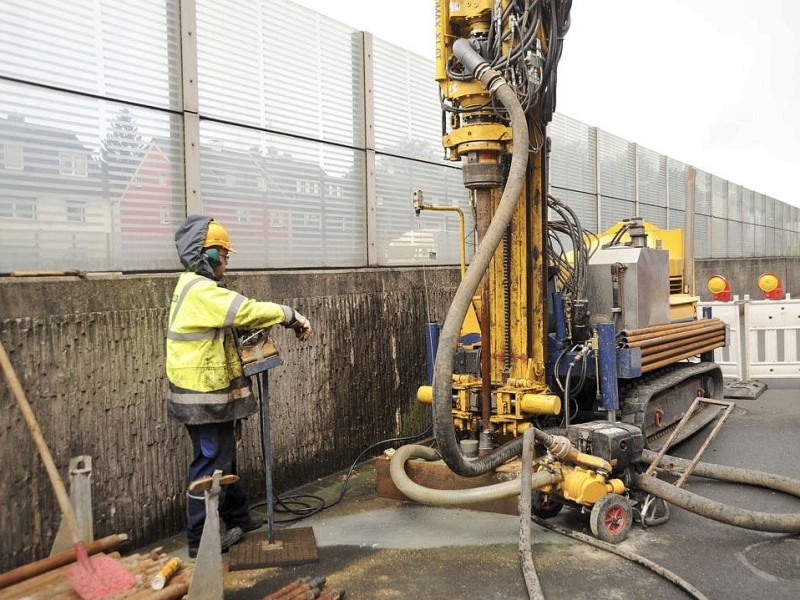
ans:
x=663 y=345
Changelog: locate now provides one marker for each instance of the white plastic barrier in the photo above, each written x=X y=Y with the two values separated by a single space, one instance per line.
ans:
x=729 y=357
x=764 y=338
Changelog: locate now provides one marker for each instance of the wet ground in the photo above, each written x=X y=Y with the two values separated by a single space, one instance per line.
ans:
x=378 y=548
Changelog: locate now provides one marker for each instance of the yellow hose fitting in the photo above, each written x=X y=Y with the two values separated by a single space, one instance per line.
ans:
x=540 y=404
x=425 y=394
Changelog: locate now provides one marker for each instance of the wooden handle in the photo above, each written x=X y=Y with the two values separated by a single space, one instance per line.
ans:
x=44 y=451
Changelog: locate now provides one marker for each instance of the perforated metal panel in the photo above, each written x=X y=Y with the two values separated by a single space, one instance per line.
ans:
x=408 y=117
x=574 y=155
x=677 y=218
x=760 y=214
x=657 y=215
x=719 y=197
x=613 y=210
x=769 y=208
x=719 y=237
x=306 y=81
x=702 y=236
x=734 y=202
x=584 y=205
x=702 y=193
x=617 y=167
x=676 y=179
x=110 y=48
x=748 y=239
x=651 y=177
x=760 y=236
x=735 y=241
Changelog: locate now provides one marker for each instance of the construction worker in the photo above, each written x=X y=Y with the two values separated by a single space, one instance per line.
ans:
x=208 y=391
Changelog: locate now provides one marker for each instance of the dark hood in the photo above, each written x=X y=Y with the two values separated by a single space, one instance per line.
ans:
x=189 y=242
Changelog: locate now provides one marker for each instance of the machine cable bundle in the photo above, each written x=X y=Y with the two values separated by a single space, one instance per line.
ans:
x=512 y=46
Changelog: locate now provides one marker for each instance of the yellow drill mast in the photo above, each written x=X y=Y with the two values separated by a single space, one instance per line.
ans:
x=517 y=39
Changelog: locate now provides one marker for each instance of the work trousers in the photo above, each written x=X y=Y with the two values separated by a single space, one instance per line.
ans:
x=214 y=447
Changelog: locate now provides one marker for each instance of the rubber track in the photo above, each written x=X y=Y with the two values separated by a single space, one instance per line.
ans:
x=635 y=396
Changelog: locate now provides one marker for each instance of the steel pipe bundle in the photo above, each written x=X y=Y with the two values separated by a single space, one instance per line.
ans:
x=662 y=345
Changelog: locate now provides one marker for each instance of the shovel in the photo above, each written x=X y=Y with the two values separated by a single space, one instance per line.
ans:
x=92 y=578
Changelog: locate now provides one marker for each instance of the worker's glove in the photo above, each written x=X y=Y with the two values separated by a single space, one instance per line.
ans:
x=301 y=326
x=294 y=320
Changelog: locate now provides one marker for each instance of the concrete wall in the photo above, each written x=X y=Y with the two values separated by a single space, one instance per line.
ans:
x=89 y=354
x=742 y=274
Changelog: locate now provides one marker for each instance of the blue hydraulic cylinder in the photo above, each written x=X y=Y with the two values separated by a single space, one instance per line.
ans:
x=558 y=316
x=431 y=344
x=607 y=364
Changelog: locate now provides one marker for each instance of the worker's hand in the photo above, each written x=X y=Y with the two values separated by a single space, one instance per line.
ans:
x=301 y=326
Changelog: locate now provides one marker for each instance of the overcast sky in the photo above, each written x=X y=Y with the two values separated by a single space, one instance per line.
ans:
x=712 y=83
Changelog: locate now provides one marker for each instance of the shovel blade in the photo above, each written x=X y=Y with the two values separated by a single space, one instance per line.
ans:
x=99 y=577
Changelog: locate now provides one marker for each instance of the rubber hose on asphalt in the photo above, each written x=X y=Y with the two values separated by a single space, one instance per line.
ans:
x=432 y=497
x=525 y=505
x=719 y=511
x=631 y=556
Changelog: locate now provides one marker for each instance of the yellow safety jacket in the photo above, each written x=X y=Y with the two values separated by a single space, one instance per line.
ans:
x=205 y=375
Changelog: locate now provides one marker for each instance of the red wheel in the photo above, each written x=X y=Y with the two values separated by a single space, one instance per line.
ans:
x=611 y=518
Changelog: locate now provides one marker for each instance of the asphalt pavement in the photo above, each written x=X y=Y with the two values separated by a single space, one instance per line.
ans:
x=377 y=548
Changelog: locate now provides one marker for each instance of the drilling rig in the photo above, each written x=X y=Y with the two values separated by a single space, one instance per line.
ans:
x=586 y=339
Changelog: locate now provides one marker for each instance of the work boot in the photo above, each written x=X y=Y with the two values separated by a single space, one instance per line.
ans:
x=229 y=538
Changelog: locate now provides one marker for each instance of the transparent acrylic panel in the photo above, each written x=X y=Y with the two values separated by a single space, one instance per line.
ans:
x=582 y=204
x=408 y=116
x=574 y=155
x=719 y=197
x=277 y=65
x=657 y=215
x=614 y=210
x=652 y=178
x=617 y=167
x=87 y=184
x=433 y=237
x=719 y=238
x=677 y=219
x=702 y=236
x=735 y=239
x=110 y=48
x=769 y=203
x=760 y=214
x=287 y=202
x=748 y=239
x=760 y=237
x=734 y=202
x=676 y=182
x=702 y=193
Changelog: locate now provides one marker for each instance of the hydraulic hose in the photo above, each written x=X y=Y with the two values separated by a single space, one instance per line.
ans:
x=448 y=339
x=433 y=497
x=718 y=511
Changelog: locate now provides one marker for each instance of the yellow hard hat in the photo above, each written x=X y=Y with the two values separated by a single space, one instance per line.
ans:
x=218 y=236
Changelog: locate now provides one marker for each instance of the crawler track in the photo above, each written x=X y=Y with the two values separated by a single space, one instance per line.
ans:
x=657 y=402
